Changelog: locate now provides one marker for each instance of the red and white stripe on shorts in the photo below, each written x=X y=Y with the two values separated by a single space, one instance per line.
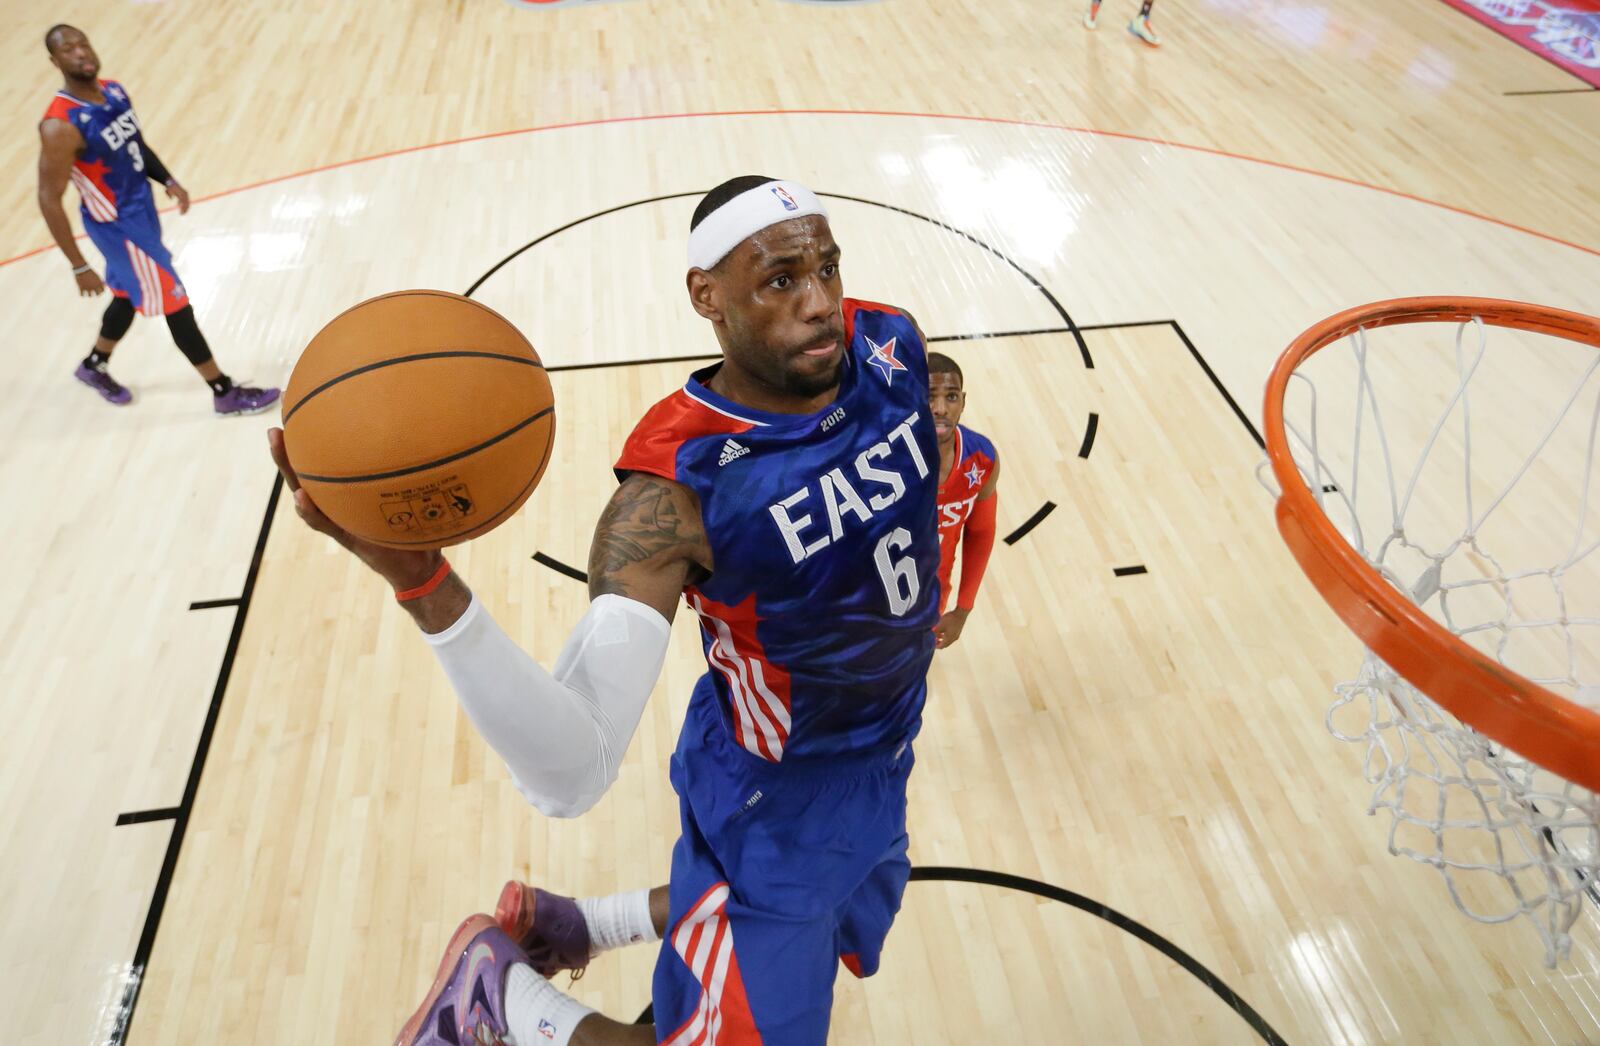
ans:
x=159 y=293
x=704 y=940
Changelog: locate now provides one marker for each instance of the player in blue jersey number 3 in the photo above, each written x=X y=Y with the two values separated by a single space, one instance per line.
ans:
x=787 y=496
x=90 y=135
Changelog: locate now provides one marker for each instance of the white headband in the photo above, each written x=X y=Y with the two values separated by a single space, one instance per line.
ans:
x=747 y=214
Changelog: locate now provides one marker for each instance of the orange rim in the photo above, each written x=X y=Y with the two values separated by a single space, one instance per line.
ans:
x=1559 y=735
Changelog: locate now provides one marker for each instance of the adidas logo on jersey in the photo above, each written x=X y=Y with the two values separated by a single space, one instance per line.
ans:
x=731 y=451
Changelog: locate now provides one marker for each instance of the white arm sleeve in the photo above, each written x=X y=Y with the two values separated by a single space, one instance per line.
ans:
x=562 y=734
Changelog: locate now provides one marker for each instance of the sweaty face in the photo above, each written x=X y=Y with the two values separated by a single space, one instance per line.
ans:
x=947 y=400
x=72 y=54
x=780 y=295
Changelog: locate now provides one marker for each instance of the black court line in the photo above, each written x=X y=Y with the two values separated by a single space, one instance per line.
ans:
x=1138 y=568
x=1088 y=435
x=213 y=604
x=1070 y=327
x=1031 y=522
x=1560 y=90
x=560 y=567
x=166 y=813
x=180 y=823
x=1115 y=918
x=1216 y=383
x=701 y=358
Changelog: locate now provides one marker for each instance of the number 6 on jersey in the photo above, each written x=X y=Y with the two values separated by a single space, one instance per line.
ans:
x=899 y=577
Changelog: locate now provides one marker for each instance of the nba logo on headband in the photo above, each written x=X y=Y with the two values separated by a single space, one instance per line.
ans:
x=784 y=198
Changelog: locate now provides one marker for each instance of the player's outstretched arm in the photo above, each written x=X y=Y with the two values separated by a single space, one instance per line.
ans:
x=59 y=145
x=562 y=733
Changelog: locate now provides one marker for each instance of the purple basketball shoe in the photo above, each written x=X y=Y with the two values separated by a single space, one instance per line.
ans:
x=549 y=927
x=103 y=383
x=466 y=1005
x=242 y=399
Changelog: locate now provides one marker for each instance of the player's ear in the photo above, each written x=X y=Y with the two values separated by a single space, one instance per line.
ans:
x=704 y=295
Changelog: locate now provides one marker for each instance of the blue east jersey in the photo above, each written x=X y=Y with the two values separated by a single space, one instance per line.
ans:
x=109 y=173
x=119 y=212
x=818 y=618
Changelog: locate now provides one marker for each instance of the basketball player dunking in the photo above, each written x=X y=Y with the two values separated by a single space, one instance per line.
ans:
x=91 y=136
x=787 y=495
x=969 y=489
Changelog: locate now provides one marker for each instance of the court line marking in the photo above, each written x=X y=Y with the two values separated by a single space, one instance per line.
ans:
x=191 y=787
x=1031 y=522
x=1001 y=121
x=1235 y=1002
x=166 y=813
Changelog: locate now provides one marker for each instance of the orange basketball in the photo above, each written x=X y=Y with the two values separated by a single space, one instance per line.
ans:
x=419 y=419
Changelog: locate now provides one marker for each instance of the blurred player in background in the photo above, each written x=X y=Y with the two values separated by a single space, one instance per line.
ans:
x=90 y=136
x=1140 y=26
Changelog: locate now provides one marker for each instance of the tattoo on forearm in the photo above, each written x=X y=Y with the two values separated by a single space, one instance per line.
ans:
x=644 y=519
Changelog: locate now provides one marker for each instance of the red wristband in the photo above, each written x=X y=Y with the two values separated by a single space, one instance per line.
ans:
x=427 y=587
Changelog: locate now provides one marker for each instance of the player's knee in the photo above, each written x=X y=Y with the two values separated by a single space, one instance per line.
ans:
x=117 y=319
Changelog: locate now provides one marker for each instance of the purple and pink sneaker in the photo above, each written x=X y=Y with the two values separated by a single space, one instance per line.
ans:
x=467 y=1004
x=104 y=384
x=549 y=927
x=242 y=399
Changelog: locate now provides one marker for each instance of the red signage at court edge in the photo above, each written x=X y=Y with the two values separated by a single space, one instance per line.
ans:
x=1565 y=32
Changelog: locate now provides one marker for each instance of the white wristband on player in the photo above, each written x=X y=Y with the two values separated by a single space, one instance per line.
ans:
x=563 y=734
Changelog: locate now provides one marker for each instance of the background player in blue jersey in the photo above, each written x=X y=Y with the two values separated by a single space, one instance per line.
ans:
x=91 y=136
x=787 y=495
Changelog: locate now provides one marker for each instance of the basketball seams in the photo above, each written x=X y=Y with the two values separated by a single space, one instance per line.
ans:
x=457 y=456
x=412 y=358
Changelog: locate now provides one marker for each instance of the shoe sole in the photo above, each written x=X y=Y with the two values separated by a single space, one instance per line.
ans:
x=96 y=390
x=452 y=955
x=246 y=411
x=513 y=913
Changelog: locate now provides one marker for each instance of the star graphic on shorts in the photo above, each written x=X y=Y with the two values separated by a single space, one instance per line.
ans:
x=883 y=359
x=975 y=475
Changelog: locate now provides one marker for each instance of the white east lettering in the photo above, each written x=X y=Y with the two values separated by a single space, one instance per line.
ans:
x=903 y=433
x=790 y=528
x=864 y=469
x=840 y=496
x=120 y=130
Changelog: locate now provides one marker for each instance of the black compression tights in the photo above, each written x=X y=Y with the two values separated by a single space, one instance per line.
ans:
x=186 y=332
x=118 y=318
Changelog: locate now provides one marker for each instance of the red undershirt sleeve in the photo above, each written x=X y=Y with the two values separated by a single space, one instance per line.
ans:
x=977 y=539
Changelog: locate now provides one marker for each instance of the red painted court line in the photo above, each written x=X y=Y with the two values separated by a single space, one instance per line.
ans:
x=1565 y=33
x=1124 y=135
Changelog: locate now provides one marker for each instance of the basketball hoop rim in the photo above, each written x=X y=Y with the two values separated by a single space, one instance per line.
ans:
x=1538 y=724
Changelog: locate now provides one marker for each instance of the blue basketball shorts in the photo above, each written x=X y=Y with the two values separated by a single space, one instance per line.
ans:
x=783 y=873
x=138 y=264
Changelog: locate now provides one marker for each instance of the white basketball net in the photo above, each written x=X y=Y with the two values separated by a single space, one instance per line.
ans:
x=1509 y=565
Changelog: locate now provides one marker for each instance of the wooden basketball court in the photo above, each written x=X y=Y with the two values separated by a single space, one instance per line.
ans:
x=238 y=793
